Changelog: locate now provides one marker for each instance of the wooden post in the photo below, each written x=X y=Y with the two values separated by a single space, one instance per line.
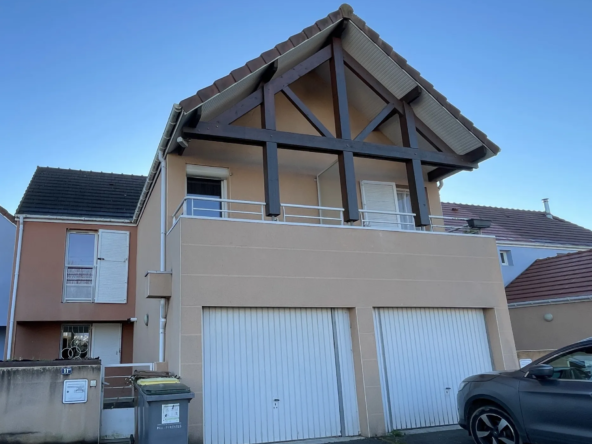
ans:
x=347 y=175
x=271 y=177
x=417 y=192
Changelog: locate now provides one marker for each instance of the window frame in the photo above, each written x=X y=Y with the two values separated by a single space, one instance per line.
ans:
x=505 y=258
x=94 y=266
x=213 y=176
x=399 y=225
x=560 y=355
x=74 y=324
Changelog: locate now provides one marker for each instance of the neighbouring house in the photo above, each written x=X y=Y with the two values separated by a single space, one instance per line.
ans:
x=287 y=266
x=551 y=304
x=7 y=236
x=522 y=236
x=76 y=254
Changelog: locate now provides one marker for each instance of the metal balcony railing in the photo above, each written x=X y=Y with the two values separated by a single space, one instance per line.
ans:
x=214 y=208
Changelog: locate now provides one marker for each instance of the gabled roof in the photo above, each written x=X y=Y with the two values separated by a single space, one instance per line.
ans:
x=443 y=120
x=521 y=225
x=75 y=193
x=562 y=276
x=374 y=54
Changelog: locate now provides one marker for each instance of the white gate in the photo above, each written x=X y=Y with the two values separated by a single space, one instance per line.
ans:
x=277 y=375
x=423 y=356
x=117 y=393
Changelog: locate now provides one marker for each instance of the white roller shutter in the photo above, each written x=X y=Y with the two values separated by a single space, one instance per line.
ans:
x=112 y=267
x=423 y=356
x=380 y=196
x=277 y=375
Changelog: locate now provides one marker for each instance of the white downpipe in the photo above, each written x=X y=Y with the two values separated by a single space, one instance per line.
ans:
x=17 y=267
x=163 y=308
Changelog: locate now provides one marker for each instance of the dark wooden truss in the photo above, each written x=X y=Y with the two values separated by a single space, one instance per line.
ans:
x=342 y=144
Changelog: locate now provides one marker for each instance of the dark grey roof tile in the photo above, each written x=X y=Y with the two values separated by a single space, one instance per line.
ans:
x=75 y=193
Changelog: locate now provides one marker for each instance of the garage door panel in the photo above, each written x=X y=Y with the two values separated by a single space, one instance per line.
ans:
x=424 y=354
x=271 y=375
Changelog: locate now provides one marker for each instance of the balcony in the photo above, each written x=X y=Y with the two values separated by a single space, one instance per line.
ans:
x=253 y=211
x=239 y=257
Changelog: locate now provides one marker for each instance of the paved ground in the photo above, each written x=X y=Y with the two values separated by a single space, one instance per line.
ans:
x=447 y=437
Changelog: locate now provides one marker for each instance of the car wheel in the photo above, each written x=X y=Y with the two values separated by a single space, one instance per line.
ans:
x=491 y=425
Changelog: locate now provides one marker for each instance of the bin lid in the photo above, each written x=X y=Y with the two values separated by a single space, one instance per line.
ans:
x=162 y=386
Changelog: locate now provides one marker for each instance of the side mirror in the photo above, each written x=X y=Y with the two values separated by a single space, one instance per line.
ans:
x=541 y=371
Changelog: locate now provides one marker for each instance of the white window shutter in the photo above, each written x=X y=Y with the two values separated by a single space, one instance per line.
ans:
x=380 y=196
x=112 y=267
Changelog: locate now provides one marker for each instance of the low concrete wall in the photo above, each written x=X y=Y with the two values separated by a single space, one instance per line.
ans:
x=31 y=407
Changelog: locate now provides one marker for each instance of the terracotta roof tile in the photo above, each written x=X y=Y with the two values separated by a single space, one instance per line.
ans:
x=373 y=35
x=207 y=92
x=561 y=276
x=284 y=47
x=323 y=23
x=255 y=64
x=521 y=225
x=270 y=56
x=335 y=16
x=224 y=82
x=311 y=30
x=297 y=39
x=240 y=73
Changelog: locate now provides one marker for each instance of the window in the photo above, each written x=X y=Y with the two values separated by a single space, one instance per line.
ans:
x=80 y=266
x=573 y=365
x=75 y=342
x=381 y=199
x=96 y=266
x=505 y=257
x=198 y=187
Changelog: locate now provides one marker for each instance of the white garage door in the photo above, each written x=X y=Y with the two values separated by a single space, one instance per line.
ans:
x=277 y=375
x=424 y=354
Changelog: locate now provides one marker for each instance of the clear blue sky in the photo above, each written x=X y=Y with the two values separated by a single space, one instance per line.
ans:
x=89 y=84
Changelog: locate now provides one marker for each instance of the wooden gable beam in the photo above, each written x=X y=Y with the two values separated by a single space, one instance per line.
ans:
x=256 y=98
x=440 y=173
x=385 y=114
x=178 y=144
x=417 y=192
x=271 y=176
x=347 y=176
x=369 y=80
x=306 y=112
x=388 y=97
x=305 y=142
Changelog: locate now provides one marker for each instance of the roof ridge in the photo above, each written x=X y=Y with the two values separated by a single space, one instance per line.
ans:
x=559 y=256
x=89 y=171
x=494 y=208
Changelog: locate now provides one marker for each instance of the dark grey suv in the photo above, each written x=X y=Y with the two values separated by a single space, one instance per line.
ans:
x=548 y=401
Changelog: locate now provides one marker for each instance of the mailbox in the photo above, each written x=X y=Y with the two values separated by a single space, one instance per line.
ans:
x=75 y=391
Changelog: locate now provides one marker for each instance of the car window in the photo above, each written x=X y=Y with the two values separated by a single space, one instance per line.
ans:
x=576 y=364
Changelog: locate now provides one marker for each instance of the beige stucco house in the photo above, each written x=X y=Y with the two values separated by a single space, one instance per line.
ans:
x=293 y=266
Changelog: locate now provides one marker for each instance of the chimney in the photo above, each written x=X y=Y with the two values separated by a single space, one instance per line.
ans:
x=547 y=208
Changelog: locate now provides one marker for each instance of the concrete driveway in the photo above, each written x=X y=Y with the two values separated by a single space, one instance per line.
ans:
x=447 y=437
x=444 y=437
